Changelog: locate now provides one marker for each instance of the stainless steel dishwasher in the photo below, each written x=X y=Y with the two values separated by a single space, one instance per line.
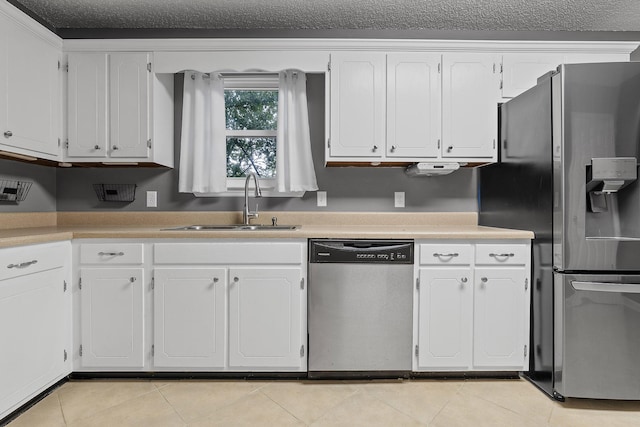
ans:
x=360 y=308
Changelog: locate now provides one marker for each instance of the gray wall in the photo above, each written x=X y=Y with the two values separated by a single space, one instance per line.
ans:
x=41 y=196
x=348 y=189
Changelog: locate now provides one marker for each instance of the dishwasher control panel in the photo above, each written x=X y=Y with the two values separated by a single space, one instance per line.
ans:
x=361 y=251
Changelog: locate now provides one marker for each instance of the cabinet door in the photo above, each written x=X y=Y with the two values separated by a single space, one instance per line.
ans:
x=129 y=105
x=34 y=333
x=521 y=71
x=4 y=69
x=445 y=318
x=500 y=307
x=470 y=95
x=189 y=317
x=413 y=105
x=265 y=318
x=357 y=104
x=32 y=92
x=111 y=317
x=87 y=105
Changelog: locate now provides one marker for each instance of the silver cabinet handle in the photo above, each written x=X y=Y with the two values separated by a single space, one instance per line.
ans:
x=8 y=134
x=132 y=279
x=235 y=279
x=449 y=148
x=463 y=280
x=483 y=282
x=115 y=147
x=375 y=148
x=111 y=253
x=97 y=147
x=215 y=280
x=393 y=148
x=501 y=257
x=22 y=264
x=451 y=255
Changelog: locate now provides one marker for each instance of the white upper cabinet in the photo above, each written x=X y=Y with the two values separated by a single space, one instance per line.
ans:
x=129 y=107
x=433 y=107
x=413 y=105
x=118 y=110
x=357 y=104
x=522 y=70
x=470 y=95
x=87 y=105
x=29 y=91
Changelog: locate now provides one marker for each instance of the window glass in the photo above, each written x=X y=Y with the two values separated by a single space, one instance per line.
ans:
x=251 y=117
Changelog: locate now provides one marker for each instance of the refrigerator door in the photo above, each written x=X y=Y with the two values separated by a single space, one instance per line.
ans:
x=597 y=338
x=596 y=145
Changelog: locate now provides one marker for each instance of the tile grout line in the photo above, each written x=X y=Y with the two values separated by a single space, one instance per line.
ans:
x=285 y=409
x=172 y=407
x=111 y=407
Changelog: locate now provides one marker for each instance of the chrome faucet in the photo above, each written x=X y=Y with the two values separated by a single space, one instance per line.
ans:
x=247 y=214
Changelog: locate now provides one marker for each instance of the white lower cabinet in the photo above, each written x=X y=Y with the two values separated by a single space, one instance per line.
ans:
x=473 y=306
x=112 y=317
x=499 y=309
x=235 y=306
x=189 y=317
x=265 y=318
x=446 y=329
x=34 y=321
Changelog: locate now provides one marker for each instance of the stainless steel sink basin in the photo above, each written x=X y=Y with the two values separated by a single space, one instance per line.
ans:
x=233 y=227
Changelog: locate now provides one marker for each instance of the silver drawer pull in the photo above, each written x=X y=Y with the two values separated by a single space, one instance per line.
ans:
x=22 y=264
x=8 y=134
x=111 y=253
x=503 y=256
x=463 y=280
x=451 y=255
x=132 y=279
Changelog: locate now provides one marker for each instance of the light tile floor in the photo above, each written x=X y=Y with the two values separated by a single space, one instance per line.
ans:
x=436 y=403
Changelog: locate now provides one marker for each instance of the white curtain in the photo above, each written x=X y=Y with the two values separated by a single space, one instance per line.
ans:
x=294 y=164
x=203 y=152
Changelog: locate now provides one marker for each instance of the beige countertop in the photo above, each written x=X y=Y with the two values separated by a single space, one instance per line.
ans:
x=312 y=225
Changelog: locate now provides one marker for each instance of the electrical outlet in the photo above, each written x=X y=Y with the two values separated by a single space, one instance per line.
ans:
x=398 y=199
x=322 y=198
x=152 y=199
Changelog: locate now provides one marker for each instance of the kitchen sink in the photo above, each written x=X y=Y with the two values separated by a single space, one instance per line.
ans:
x=233 y=227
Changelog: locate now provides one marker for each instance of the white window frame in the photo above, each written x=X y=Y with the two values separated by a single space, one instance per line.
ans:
x=252 y=81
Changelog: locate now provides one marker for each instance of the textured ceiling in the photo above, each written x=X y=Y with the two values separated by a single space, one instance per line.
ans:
x=470 y=15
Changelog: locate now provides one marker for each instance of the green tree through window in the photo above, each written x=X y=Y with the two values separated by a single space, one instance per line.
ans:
x=251 y=123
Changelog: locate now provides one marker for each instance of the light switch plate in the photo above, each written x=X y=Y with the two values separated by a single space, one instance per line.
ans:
x=398 y=199
x=152 y=199
x=322 y=198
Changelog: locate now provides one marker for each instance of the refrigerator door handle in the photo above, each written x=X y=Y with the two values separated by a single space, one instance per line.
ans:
x=629 y=288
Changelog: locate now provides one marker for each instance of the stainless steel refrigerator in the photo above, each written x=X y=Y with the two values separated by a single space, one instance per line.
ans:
x=568 y=171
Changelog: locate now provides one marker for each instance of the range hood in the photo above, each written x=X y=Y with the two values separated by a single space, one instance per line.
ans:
x=432 y=169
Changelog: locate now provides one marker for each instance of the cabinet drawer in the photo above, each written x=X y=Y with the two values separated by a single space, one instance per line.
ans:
x=438 y=254
x=23 y=260
x=115 y=253
x=229 y=253
x=501 y=254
